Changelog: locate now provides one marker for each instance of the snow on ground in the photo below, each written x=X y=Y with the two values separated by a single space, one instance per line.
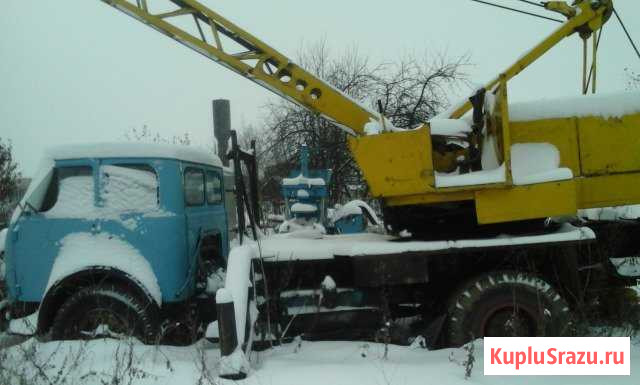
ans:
x=301 y=362
x=24 y=326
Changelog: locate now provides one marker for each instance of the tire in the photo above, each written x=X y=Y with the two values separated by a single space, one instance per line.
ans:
x=122 y=311
x=505 y=304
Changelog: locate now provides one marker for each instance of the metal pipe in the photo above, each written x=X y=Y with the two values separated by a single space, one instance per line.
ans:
x=584 y=66
x=227 y=332
x=594 y=61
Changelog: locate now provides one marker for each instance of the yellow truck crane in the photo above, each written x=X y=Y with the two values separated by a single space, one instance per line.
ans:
x=484 y=164
x=423 y=180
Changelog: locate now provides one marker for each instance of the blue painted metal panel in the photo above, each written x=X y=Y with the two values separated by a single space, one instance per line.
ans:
x=350 y=224
x=167 y=241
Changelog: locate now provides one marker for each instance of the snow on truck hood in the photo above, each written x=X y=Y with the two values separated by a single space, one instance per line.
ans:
x=133 y=150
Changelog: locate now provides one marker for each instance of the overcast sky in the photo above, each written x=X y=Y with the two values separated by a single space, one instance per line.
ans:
x=78 y=70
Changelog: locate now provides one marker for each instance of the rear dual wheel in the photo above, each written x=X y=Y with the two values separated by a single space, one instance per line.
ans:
x=506 y=304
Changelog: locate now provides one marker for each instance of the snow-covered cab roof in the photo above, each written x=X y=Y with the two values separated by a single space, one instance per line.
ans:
x=133 y=150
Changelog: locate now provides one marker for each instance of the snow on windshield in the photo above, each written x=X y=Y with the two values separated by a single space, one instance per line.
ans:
x=75 y=195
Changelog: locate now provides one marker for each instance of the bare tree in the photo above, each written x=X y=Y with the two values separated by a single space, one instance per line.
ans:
x=411 y=91
x=9 y=178
x=633 y=79
x=145 y=134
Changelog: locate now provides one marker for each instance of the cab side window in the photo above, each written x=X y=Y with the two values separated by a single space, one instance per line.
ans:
x=214 y=188
x=193 y=186
x=129 y=187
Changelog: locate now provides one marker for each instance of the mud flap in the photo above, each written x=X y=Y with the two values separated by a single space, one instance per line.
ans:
x=433 y=332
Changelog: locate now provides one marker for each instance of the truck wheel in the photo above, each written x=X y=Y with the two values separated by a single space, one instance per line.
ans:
x=106 y=310
x=506 y=304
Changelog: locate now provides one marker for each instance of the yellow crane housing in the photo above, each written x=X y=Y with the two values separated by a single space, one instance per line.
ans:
x=599 y=156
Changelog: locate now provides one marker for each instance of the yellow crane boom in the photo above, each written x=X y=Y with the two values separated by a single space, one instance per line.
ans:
x=224 y=42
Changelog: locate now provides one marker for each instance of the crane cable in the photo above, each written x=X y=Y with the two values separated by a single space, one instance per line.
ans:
x=518 y=10
x=615 y=12
x=624 y=28
x=586 y=87
x=532 y=3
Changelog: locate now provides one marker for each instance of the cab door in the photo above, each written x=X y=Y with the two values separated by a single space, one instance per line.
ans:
x=195 y=210
x=217 y=225
x=67 y=207
x=206 y=220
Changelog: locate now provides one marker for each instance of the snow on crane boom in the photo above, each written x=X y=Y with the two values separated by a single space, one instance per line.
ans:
x=449 y=174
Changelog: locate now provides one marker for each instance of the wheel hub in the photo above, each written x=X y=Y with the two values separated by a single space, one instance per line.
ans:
x=508 y=321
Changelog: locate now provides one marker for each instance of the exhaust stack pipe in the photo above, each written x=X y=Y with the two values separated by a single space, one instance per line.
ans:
x=222 y=127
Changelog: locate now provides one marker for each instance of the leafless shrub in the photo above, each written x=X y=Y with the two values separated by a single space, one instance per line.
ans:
x=145 y=134
x=468 y=361
x=9 y=181
x=25 y=364
x=633 y=79
x=126 y=368
x=202 y=364
x=411 y=91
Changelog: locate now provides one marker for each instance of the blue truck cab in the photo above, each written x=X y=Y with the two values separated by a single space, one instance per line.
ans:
x=119 y=238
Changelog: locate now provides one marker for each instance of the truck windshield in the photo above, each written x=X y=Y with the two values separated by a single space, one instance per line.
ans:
x=70 y=193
